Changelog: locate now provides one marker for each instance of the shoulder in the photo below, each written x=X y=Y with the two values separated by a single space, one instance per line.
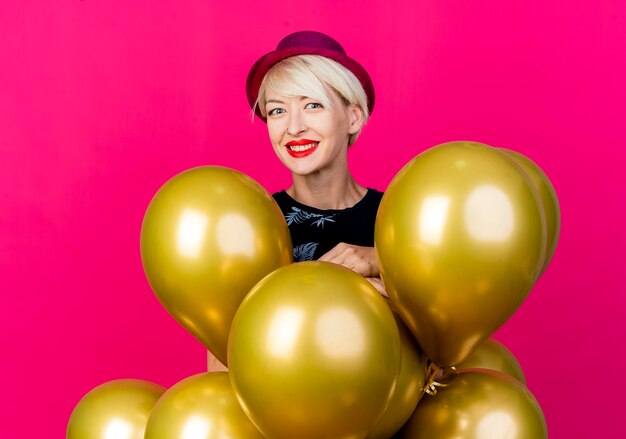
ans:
x=281 y=195
x=282 y=199
x=376 y=194
x=372 y=198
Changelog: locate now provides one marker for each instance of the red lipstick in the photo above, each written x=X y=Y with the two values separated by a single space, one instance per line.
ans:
x=301 y=142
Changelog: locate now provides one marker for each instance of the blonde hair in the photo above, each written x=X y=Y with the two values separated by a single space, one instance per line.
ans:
x=313 y=76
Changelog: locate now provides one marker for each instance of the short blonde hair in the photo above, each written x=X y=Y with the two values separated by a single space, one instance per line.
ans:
x=313 y=76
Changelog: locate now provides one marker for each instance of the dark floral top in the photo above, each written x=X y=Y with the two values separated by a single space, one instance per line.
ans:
x=314 y=231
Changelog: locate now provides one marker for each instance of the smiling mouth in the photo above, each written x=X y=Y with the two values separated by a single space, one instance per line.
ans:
x=299 y=151
x=302 y=148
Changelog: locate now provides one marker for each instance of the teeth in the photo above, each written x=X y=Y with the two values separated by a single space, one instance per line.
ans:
x=300 y=148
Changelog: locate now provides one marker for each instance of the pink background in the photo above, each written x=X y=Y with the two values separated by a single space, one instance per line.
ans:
x=102 y=102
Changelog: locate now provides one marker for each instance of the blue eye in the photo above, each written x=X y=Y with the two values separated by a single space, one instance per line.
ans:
x=314 y=105
x=275 y=111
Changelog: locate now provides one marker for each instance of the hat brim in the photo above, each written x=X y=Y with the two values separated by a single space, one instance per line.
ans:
x=265 y=63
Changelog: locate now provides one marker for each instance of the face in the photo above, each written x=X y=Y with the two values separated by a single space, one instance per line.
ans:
x=307 y=137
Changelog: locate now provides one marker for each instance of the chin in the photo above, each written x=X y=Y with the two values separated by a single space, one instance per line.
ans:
x=302 y=169
x=302 y=172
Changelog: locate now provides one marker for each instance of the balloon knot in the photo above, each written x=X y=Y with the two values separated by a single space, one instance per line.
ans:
x=437 y=376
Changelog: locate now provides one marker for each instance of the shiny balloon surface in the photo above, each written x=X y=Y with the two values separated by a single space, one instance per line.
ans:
x=478 y=404
x=408 y=391
x=203 y=406
x=460 y=238
x=314 y=352
x=117 y=409
x=208 y=235
x=548 y=198
x=493 y=355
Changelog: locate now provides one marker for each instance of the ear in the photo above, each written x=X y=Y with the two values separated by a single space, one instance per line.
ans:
x=355 y=113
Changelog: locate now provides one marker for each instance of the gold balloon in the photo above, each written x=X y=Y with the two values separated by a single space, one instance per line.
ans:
x=209 y=235
x=203 y=406
x=549 y=201
x=460 y=239
x=314 y=352
x=478 y=404
x=493 y=355
x=117 y=409
x=408 y=390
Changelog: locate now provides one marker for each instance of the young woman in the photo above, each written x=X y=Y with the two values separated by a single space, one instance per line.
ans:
x=315 y=101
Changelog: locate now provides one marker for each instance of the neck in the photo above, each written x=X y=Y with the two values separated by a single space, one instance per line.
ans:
x=325 y=191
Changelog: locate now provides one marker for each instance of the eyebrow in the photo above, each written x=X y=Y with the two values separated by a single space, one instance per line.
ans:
x=278 y=101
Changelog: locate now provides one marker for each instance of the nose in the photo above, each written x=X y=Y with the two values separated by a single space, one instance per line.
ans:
x=296 y=124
